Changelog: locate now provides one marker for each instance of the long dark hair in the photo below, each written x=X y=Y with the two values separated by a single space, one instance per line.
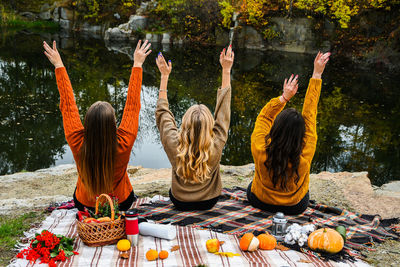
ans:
x=98 y=149
x=287 y=134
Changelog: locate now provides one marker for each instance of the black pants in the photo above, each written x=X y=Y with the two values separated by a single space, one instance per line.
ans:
x=290 y=210
x=199 y=205
x=125 y=205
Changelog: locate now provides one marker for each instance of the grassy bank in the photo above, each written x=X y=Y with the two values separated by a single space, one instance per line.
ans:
x=11 y=20
x=12 y=229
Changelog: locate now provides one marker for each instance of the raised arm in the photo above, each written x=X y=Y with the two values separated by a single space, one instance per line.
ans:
x=269 y=112
x=130 y=118
x=311 y=104
x=222 y=114
x=73 y=127
x=164 y=118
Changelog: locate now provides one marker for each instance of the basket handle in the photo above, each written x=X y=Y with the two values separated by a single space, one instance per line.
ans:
x=109 y=201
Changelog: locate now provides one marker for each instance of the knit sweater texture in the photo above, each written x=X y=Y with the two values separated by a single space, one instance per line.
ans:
x=263 y=186
x=210 y=188
x=126 y=133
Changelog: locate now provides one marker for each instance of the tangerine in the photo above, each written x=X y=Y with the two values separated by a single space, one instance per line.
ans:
x=163 y=254
x=123 y=245
x=151 y=255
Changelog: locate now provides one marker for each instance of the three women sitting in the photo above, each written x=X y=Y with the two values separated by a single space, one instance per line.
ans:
x=282 y=148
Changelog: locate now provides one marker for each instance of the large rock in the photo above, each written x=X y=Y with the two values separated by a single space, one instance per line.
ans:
x=117 y=34
x=29 y=15
x=153 y=37
x=137 y=22
x=391 y=189
x=248 y=37
x=65 y=24
x=166 y=38
x=66 y=13
x=46 y=15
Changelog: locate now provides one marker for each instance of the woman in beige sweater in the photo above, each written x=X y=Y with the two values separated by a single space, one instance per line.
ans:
x=195 y=149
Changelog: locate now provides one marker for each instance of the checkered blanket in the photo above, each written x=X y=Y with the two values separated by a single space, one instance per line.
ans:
x=192 y=251
x=234 y=215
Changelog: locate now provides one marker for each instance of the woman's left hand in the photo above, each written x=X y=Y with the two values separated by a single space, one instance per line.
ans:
x=53 y=55
x=162 y=65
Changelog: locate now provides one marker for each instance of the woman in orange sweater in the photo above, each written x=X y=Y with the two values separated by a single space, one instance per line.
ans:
x=283 y=148
x=100 y=149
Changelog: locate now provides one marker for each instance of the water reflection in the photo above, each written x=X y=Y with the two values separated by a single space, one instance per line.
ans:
x=358 y=119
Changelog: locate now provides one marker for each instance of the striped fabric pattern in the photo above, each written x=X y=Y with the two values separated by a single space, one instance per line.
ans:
x=192 y=251
x=234 y=215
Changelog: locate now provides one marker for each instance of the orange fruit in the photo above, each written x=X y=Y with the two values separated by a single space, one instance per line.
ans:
x=163 y=254
x=267 y=241
x=151 y=255
x=123 y=245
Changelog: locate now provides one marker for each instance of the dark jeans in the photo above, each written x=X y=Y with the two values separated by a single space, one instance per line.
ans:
x=125 y=205
x=289 y=210
x=199 y=205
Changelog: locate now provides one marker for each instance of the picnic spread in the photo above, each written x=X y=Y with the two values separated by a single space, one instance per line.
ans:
x=233 y=233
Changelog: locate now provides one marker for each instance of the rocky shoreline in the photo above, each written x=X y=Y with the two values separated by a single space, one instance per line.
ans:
x=25 y=191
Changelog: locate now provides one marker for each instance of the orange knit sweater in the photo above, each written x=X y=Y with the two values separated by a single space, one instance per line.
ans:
x=126 y=132
x=263 y=186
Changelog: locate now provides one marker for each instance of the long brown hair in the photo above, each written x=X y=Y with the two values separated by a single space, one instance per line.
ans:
x=96 y=160
x=195 y=140
x=287 y=134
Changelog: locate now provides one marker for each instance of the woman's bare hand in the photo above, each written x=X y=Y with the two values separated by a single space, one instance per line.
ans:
x=162 y=65
x=141 y=52
x=319 y=64
x=290 y=87
x=53 y=55
x=226 y=59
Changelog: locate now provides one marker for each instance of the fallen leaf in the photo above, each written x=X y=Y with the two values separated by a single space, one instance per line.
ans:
x=227 y=254
x=221 y=243
x=282 y=247
x=175 y=248
x=124 y=255
x=304 y=261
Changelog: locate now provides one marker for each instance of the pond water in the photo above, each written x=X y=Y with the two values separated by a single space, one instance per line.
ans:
x=358 y=116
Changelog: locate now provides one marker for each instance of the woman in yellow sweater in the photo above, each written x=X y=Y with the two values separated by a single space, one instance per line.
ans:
x=283 y=147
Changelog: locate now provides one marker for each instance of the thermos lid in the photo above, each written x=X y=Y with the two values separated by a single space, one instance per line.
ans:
x=279 y=218
x=131 y=212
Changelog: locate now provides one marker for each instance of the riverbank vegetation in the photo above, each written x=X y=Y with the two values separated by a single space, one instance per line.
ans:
x=11 y=20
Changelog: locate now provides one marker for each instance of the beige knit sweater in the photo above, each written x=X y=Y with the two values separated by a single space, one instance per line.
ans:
x=210 y=188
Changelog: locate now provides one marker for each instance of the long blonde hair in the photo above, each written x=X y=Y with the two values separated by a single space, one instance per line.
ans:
x=195 y=140
x=97 y=155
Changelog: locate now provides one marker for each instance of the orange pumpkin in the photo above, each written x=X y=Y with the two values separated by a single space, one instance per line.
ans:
x=163 y=254
x=249 y=242
x=267 y=241
x=151 y=255
x=326 y=240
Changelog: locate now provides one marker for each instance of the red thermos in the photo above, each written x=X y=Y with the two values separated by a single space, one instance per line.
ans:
x=132 y=226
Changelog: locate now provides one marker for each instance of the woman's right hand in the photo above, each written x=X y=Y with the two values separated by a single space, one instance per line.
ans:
x=53 y=55
x=162 y=65
x=290 y=88
x=141 y=52
x=226 y=59
x=319 y=64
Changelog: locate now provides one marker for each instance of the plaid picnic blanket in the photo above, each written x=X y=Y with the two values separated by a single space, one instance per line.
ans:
x=234 y=215
x=191 y=252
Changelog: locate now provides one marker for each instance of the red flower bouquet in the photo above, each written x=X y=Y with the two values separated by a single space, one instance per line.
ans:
x=49 y=248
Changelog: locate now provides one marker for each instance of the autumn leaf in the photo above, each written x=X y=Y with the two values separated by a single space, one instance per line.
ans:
x=304 y=261
x=124 y=255
x=175 y=248
x=282 y=247
x=221 y=243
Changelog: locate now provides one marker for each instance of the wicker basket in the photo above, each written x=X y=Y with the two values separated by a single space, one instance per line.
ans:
x=104 y=233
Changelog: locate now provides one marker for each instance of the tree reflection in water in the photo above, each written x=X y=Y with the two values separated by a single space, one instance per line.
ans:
x=358 y=116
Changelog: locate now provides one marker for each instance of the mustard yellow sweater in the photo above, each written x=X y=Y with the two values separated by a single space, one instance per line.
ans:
x=263 y=186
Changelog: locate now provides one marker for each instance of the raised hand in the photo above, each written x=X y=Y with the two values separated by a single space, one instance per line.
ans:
x=226 y=58
x=53 y=55
x=319 y=64
x=162 y=65
x=141 y=52
x=290 y=87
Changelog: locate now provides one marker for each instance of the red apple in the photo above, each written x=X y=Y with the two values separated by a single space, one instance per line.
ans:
x=212 y=245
